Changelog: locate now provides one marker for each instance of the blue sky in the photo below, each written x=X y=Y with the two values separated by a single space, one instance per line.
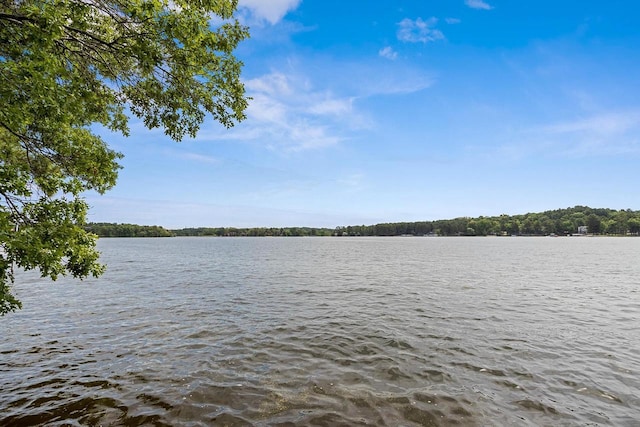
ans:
x=384 y=111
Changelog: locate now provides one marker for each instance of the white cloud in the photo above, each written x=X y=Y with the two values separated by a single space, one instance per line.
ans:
x=608 y=124
x=478 y=4
x=265 y=108
x=606 y=134
x=394 y=82
x=419 y=30
x=388 y=52
x=291 y=111
x=615 y=133
x=275 y=84
x=452 y=21
x=332 y=106
x=197 y=157
x=308 y=135
x=269 y=10
x=287 y=113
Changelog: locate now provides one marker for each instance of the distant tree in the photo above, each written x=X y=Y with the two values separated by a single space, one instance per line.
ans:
x=557 y=221
x=566 y=226
x=66 y=65
x=528 y=226
x=621 y=222
x=593 y=224
x=126 y=230
x=483 y=226
x=547 y=225
x=634 y=225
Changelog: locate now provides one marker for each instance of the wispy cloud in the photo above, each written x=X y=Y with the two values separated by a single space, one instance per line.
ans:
x=605 y=134
x=274 y=84
x=353 y=182
x=305 y=107
x=613 y=133
x=271 y=11
x=196 y=157
x=333 y=107
x=287 y=113
x=175 y=214
x=478 y=4
x=608 y=124
x=397 y=81
x=388 y=52
x=452 y=21
x=419 y=31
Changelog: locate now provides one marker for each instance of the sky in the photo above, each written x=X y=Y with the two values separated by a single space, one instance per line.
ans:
x=385 y=111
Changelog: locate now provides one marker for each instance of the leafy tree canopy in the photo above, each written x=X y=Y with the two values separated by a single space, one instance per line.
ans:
x=68 y=64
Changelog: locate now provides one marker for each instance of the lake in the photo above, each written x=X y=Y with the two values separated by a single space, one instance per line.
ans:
x=497 y=331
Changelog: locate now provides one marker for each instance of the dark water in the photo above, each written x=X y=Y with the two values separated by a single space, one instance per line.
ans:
x=332 y=331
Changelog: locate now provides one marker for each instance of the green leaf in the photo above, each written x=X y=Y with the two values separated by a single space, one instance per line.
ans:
x=67 y=65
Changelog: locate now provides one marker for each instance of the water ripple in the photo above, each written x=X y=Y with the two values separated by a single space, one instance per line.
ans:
x=330 y=332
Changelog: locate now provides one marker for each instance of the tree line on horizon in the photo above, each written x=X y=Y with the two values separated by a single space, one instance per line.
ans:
x=567 y=221
x=106 y=229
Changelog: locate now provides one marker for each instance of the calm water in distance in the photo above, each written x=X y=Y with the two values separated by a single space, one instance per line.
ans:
x=332 y=331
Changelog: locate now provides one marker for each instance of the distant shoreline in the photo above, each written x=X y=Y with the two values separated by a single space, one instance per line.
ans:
x=573 y=222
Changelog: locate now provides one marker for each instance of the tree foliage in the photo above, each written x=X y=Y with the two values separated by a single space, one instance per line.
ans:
x=559 y=222
x=66 y=65
x=104 y=229
x=254 y=232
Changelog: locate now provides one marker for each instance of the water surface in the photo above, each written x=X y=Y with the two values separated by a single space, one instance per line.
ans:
x=332 y=331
